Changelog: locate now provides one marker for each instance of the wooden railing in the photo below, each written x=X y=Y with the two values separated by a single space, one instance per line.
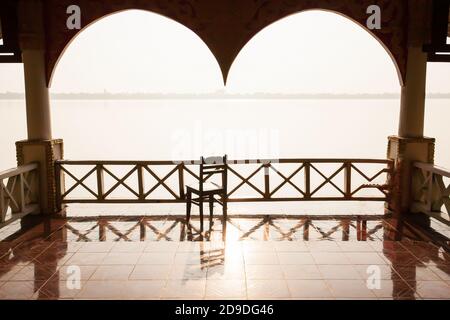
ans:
x=431 y=186
x=19 y=195
x=248 y=180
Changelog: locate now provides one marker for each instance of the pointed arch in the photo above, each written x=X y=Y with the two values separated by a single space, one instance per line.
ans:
x=391 y=55
x=198 y=40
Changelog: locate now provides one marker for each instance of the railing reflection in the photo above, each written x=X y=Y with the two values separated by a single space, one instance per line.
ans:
x=46 y=245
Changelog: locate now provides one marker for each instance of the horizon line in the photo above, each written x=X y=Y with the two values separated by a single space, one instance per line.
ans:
x=8 y=95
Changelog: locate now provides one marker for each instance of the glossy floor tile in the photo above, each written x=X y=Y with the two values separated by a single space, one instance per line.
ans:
x=68 y=258
x=317 y=289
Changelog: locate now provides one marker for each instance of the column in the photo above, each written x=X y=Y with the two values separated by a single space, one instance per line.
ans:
x=39 y=147
x=412 y=104
x=37 y=96
x=410 y=145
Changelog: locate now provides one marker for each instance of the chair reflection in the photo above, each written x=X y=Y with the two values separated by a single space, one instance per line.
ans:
x=36 y=257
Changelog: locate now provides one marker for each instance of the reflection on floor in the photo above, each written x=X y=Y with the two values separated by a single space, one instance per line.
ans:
x=249 y=257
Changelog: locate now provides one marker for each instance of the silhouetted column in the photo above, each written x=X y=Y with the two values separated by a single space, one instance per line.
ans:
x=412 y=105
x=410 y=145
x=37 y=96
x=39 y=147
x=32 y=42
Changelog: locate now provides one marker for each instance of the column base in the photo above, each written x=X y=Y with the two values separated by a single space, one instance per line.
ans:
x=404 y=152
x=44 y=152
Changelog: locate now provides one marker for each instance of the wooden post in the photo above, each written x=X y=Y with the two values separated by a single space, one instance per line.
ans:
x=22 y=193
x=181 y=181
x=140 y=171
x=59 y=183
x=307 y=178
x=429 y=195
x=100 y=182
x=2 y=203
x=266 y=180
x=348 y=180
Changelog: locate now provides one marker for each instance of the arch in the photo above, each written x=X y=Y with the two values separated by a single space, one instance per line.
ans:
x=386 y=49
x=85 y=28
x=226 y=26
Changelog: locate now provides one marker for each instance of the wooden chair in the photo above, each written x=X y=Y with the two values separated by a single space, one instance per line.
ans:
x=207 y=190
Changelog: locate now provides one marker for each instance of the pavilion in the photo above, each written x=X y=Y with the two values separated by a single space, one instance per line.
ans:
x=413 y=33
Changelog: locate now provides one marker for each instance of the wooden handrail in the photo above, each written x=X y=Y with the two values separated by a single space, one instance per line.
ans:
x=197 y=162
x=16 y=171
x=433 y=168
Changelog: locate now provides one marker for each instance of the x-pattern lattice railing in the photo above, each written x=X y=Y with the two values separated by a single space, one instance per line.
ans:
x=277 y=176
x=432 y=191
x=18 y=196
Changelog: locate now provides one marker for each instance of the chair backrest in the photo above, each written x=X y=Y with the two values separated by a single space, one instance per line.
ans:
x=211 y=166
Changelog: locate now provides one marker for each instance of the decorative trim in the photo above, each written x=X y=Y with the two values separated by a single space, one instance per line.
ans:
x=402 y=143
x=48 y=166
x=401 y=201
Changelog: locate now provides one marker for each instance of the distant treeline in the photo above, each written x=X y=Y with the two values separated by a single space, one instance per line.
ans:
x=185 y=96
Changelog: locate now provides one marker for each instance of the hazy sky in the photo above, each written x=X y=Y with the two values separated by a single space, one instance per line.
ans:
x=309 y=52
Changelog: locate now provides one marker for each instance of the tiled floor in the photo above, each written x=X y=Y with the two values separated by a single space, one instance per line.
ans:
x=260 y=257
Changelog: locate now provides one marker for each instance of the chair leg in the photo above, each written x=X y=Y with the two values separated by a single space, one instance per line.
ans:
x=224 y=208
x=200 y=204
x=188 y=207
x=224 y=219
